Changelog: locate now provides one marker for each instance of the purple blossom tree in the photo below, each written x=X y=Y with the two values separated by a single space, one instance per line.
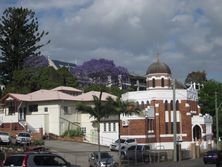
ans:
x=100 y=71
x=35 y=61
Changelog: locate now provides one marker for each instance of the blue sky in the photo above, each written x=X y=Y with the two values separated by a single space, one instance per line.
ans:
x=186 y=33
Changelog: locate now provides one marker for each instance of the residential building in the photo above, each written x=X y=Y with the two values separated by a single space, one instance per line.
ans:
x=53 y=111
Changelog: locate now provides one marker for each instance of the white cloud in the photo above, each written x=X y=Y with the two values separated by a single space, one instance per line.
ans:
x=187 y=34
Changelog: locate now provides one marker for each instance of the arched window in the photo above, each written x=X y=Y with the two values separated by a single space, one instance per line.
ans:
x=177 y=105
x=171 y=105
x=137 y=104
x=166 y=106
x=154 y=84
x=169 y=83
x=162 y=82
x=142 y=105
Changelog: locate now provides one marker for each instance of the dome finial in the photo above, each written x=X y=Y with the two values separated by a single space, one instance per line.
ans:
x=158 y=57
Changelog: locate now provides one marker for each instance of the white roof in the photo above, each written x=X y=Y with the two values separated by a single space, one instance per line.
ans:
x=49 y=95
x=43 y=95
x=66 y=88
x=89 y=96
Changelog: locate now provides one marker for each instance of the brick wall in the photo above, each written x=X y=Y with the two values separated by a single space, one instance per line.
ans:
x=140 y=126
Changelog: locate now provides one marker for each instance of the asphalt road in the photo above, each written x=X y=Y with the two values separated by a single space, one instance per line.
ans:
x=77 y=153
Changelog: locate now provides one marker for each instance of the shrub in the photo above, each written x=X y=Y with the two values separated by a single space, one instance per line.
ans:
x=38 y=142
x=73 y=132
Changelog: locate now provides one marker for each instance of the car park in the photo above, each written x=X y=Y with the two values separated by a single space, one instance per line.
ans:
x=210 y=157
x=122 y=143
x=34 y=159
x=138 y=152
x=5 y=137
x=106 y=160
x=23 y=138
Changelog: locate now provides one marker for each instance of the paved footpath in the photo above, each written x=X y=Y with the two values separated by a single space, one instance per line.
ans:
x=184 y=163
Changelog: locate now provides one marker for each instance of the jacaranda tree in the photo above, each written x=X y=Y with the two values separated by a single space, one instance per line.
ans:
x=35 y=62
x=100 y=71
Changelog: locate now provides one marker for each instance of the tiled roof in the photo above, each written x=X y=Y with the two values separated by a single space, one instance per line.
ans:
x=89 y=96
x=66 y=88
x=51 y=95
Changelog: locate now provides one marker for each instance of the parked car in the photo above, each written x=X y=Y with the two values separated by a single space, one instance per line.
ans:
x=39 y=159
x=106 y=159
x=219 y=159
x=210 y=157
x=38 y=149
x=122 y=143
x=5 y=137
x=23 y=138
x=138 y=152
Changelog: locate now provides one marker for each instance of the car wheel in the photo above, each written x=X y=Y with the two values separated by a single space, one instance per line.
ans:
x=217 y=164
x=122 y=156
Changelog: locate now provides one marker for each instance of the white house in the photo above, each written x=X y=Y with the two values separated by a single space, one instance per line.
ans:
x=54 y=111
x=108 y=127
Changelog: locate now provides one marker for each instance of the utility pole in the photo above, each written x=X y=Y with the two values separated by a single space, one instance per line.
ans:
x=174 y=123
x=216 y=113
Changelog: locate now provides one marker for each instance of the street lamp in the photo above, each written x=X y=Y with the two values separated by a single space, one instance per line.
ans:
x=174 y=122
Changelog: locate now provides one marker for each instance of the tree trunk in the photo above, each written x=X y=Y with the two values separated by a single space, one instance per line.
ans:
x=99 y=149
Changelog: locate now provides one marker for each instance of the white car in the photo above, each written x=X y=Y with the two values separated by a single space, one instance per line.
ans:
x=23 y=138
x=5 y=137
x=123 y=143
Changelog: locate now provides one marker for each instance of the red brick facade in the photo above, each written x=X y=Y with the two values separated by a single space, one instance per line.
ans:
x=139 y=127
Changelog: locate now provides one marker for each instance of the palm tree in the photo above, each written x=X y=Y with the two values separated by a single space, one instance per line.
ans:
x=118 y=107
x=104 y=109
x=99 y=110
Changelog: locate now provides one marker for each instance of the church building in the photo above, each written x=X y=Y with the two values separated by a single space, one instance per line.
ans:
x=155 y=124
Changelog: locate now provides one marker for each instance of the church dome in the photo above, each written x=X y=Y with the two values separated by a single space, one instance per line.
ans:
x=158 y=67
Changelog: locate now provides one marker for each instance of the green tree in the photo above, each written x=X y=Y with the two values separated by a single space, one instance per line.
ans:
x=98 y=111
x=32 y=79
x=19 y=39
x=197 y=77
x=110 y=107
x=207 y=100
x=118 y=107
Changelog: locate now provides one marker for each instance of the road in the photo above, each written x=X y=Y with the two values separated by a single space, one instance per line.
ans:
x=77 y=153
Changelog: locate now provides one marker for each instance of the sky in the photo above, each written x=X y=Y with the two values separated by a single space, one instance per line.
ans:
x=186 y=34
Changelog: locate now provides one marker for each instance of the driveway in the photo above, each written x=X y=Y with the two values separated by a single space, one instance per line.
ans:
x=76 y=153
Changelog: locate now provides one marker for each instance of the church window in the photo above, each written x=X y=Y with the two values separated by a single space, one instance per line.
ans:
x=154 y=84
x=171 y=105
x=166 y=122
x=162 y=82
x=142 y=105
x=166 y=106
x=150 y=126
x=177 y=105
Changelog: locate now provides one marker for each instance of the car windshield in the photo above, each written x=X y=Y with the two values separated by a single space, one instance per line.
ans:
x=121 y=141
x=14 y=160
x=103 y=155
x=24 y=134
x=4 y=133
x=139 y=147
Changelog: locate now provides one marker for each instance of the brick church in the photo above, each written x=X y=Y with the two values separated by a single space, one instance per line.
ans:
x=155 y=124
